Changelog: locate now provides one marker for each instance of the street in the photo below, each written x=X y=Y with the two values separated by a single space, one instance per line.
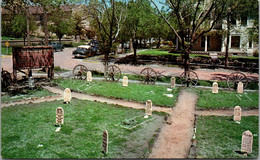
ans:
x=65 y=60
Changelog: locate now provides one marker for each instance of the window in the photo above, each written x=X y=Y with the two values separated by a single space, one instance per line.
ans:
x=244 y=20
x=235 y=41
x=233 y=20
x=250 y=43
x=203 y=41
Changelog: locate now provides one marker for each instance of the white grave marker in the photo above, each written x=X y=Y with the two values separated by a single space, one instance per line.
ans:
x=173 y=82
x=105 y=141
x=237 y=113
x=247 y=142
x=240 y=87
x=67 y=95
x=215 y=87
x=125 y=81
x=60 y=115
x=149 y=106
x=89 y=76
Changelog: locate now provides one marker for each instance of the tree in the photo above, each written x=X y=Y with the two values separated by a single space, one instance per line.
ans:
x=19 y=27
x=193 y=18
x=108 y=17
x=235 y=10
x=139 y=21
x=61 y=24
x=20 y=7
x=47 y=6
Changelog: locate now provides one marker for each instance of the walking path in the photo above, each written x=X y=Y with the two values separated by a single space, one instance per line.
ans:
x=252 y=112
x=174 y=140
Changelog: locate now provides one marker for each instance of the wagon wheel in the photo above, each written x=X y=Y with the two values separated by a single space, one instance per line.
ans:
x=189 y=77
x=113 y=73
x=236 y=77
x=6 y=79
x=80 y=72
x=148 y=75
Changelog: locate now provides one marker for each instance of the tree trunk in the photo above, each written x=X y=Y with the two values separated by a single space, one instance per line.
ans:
x=45 y=26
x=159 y=43
x=227 y=43
x=123 y=47
x=135 y=48
x=131 y=45
x=28 y=27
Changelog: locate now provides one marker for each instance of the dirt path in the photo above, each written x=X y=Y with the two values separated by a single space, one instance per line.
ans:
x=174 y=140
x=253 y=112
x=123 y=103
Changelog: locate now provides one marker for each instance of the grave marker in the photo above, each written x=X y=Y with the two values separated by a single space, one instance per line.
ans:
x=173 y=82
x=215 y=87
x=240 y=87
x=149 y=106
x=105 y=141
x=125 y=81
x=247 y=142
x=67 y=95
x=237 y=113
x=89 y=76
x=60 y=115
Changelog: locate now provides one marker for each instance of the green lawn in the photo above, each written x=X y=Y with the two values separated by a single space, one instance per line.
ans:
x=226 y=99
x=38 y=92
x=221 y=137
x=134 y=91
x=4 y=50
x=155 y=52
x=28 y=131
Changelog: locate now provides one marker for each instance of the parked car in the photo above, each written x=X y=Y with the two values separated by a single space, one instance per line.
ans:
x=83 y=51
x=57 y=45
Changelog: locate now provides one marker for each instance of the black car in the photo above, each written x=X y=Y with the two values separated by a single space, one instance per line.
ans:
x=83 y=51
x=57 y=45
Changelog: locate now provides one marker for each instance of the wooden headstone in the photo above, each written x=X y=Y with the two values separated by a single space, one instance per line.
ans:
x=89 y=76
x=240 y=87
x=247 y=142
x=59 y=115
x=173 y=82
x=67 y=95
x=105 y=141
x=149 y=106
x=125 y=81
x=237 y=113
x=215 y=87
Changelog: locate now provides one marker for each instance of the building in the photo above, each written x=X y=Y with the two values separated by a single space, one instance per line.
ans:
x=239 y=44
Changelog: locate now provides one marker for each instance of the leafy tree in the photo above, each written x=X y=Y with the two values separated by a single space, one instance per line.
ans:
x=108 y=18
x=20 y=7
x=139 y=20
x=48 y=6
x=19 y=27
x=236 y=9
x=60 y=24
x=193 y=18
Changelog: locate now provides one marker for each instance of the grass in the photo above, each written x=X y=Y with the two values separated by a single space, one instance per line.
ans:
x=167 y=79
x=226 y=99
x=28 y=131
x=134 y=91
x=154 y=52
x=10 y=38
x=38 y=92
x=221 y=137
x=58 y=69
x=4 y=50
x=159 y=52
